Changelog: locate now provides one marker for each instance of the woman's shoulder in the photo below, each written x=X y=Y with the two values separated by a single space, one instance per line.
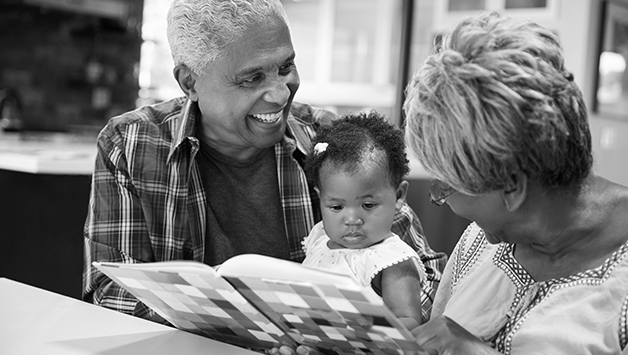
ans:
x=471 y=245
x=472 y=239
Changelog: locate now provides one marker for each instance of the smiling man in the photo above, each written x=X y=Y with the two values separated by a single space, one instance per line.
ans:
x=215 y=173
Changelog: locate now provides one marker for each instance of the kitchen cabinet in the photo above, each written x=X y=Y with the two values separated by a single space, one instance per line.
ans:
x=44 y=194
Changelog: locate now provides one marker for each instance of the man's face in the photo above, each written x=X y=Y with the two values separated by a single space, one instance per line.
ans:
x=245 y=96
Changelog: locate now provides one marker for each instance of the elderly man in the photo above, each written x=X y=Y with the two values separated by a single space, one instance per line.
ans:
x=217 y=172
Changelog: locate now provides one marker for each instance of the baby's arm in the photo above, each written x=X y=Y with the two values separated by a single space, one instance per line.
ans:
x=401 y=290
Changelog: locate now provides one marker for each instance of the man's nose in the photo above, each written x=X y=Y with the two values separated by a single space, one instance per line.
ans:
x=279 y=91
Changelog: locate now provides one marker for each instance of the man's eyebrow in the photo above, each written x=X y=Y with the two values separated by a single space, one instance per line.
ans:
x=258 y=68
x=249 y=71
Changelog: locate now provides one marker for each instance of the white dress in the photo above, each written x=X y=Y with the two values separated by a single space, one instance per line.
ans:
x=362 y=264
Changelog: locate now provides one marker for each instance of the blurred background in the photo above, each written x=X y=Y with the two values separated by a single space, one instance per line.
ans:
x=67 y=66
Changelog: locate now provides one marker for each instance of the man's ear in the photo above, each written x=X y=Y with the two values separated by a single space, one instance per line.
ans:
x=401 y=192
x=515 y=195
x=186 y=80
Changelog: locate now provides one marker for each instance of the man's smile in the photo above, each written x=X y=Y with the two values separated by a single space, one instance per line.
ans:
x=268 y=117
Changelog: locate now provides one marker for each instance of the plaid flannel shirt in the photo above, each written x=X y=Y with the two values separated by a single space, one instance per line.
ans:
x=148 y=202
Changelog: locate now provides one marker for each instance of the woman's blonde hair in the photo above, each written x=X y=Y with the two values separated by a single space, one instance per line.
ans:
x=495 y=100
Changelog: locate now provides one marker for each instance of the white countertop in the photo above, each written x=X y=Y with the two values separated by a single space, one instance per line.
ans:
x=35 y=321
x=60 y=153
x=65 y=154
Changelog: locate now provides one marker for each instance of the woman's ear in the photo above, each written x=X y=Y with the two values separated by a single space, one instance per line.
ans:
x=515 y=195
x=401 y=192
x=186 y=80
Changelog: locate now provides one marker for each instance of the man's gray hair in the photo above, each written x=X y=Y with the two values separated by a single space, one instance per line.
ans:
x=199 y=30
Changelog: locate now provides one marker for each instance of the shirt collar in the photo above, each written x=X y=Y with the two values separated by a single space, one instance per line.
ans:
x=187 y=130
x=187 y=127
x=295 y=137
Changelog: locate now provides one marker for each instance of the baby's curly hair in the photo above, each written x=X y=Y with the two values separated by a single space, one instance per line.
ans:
x=359 y=139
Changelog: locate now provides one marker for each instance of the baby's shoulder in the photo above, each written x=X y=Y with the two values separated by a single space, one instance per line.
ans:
x=391 y=251
x=393 y=246
x=316 y=239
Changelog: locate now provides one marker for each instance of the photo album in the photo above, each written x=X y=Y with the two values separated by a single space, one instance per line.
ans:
x=259 y=302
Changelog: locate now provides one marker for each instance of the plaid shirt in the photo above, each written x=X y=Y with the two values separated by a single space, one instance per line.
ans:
x=148 y=202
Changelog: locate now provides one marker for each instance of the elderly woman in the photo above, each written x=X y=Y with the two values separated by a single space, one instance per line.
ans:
x=499 y=123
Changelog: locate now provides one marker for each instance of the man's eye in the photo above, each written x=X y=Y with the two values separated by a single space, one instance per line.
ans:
x=287 y=68
x=252 y=80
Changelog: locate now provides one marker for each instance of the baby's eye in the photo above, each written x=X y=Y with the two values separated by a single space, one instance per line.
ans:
x=369 y=205
x=335 y=208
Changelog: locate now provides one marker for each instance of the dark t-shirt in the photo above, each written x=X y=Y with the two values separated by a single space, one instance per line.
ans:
x=244 y=213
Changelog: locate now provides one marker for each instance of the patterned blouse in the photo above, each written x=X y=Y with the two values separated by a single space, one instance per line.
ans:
x=485 y=290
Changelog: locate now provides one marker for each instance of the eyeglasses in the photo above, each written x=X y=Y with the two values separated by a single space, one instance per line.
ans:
x=440 y=192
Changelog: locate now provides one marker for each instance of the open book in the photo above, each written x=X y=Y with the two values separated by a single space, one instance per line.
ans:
x=259 y=302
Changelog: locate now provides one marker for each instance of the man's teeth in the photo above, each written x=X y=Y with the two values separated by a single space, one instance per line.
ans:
x=268 y=117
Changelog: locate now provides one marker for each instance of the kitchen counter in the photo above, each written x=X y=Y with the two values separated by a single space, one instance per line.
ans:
x=49 y=153
x=45 y=180
x=62 y=153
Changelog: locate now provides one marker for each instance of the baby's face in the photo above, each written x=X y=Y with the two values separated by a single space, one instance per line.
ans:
x=357 y=209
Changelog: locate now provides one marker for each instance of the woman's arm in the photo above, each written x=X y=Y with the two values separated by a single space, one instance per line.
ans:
x=443 y=336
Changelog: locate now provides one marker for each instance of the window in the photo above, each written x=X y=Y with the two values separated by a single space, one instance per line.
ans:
x=612 y=88
x=449 y=12
x=347 y=52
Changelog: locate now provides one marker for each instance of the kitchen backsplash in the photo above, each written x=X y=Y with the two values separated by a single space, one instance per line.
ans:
x=70 y=69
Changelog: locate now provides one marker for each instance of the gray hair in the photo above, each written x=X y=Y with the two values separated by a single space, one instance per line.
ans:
x=495 y=100
x=199 y=30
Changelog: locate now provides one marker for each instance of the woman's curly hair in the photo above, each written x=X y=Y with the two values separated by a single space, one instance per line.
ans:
x=356 y=140
x=494 y=101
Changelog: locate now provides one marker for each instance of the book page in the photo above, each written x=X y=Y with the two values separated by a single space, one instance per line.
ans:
x=324 y=310
x=194 y=298
x=260 y=266
x=261 y=302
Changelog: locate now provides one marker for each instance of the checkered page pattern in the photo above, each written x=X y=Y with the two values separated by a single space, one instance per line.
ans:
x=198 y=301
x=335 y=320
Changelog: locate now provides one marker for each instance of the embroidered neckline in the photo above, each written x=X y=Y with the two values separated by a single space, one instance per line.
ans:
x=504 y=259
x=536 y=292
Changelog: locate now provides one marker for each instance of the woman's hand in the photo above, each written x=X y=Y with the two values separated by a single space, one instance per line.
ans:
x=300 y=350
x=443 y=336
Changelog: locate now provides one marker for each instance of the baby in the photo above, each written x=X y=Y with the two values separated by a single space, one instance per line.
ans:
x=357 y=167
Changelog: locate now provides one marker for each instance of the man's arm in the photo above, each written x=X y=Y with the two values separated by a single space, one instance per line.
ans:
x=115 y=230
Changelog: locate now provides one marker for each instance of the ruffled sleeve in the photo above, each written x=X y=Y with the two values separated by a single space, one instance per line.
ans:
x=317 y=236
x=384 y=255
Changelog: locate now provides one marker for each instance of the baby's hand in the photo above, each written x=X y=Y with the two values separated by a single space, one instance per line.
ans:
x=286 y=350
